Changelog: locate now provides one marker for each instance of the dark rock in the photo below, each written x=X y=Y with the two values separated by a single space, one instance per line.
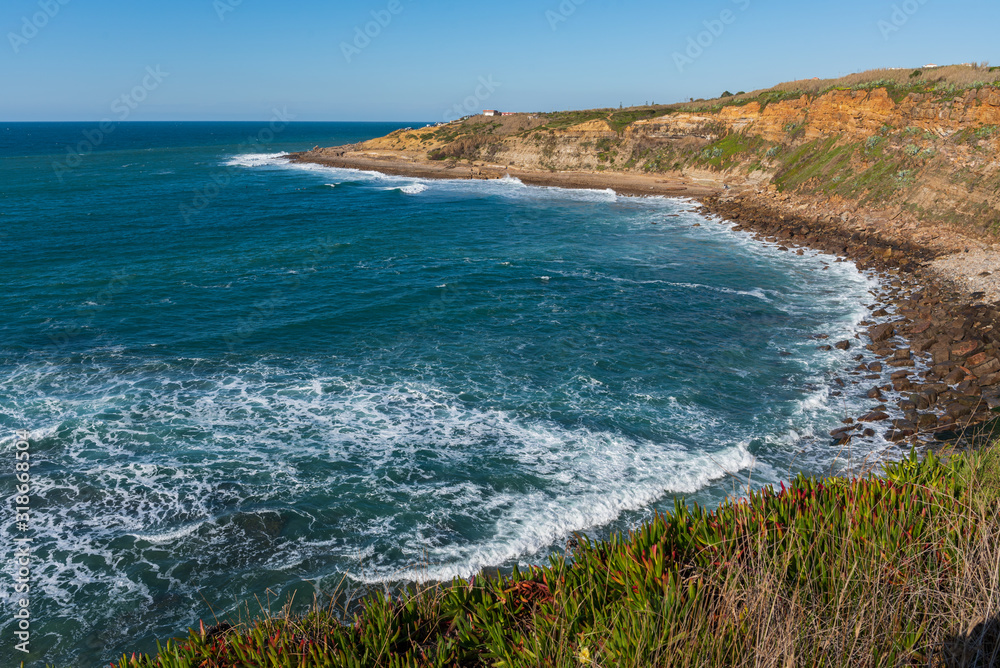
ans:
x=941 y=353
x=957 y=410
x=880 y=333
x=989 y=368
x=843 y=345
x=838 y=434
x=926 y=420
x=874 y=416
x=965 y=348
x=875 y=393
x=955 y=377
x=977 y=359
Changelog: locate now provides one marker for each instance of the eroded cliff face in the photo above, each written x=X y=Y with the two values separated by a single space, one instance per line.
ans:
x=935 y=156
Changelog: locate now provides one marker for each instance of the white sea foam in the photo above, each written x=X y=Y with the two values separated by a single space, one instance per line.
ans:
x=411 y=189
x=257 y=160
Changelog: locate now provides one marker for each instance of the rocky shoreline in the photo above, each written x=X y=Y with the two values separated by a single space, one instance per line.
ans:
x=939 y=342
x=929 y=361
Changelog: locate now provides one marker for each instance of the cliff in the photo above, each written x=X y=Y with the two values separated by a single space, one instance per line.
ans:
x=916 y=146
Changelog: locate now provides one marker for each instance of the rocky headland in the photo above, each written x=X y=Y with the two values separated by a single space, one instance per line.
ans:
x=896 y=171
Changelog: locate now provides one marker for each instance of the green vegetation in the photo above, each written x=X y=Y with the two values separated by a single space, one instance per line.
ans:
x=820 y=158
x=875 y=571
x=726 y=151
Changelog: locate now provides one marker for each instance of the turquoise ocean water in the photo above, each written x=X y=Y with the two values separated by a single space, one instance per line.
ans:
x=241 y=376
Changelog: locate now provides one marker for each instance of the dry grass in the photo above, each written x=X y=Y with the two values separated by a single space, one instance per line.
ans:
x=959 y=76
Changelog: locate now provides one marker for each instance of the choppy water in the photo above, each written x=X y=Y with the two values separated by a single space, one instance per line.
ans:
x=241 y=375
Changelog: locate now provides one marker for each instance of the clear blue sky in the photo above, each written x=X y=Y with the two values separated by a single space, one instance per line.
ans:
x=238 y=59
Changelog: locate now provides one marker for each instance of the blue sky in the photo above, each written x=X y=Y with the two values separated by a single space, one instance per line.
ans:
x=241 y=59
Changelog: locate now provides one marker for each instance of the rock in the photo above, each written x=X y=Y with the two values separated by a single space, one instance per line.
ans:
x=920 y=327
x=956 y=410
x=874 y=416
x=902 y=385
x=977 y=359
x=965 y=348
x=941 y=353
x=902 y=354
x=875 y=366
x=824 y=348
x=987 y=369
x=880 y=333
x=902 y=363
x=990 y=380
x=897 y=435
x=955 y=377
x=942 y=370
x=843 y=345
x=843 y=432
x=926 y=420
x=875 y=393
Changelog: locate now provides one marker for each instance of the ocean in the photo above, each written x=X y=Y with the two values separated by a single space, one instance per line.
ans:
x=242 y=379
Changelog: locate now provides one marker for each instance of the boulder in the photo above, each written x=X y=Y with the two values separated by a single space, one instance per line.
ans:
x=880 y=333
x=965 y=348
x=990 y=380
x=986 y=369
